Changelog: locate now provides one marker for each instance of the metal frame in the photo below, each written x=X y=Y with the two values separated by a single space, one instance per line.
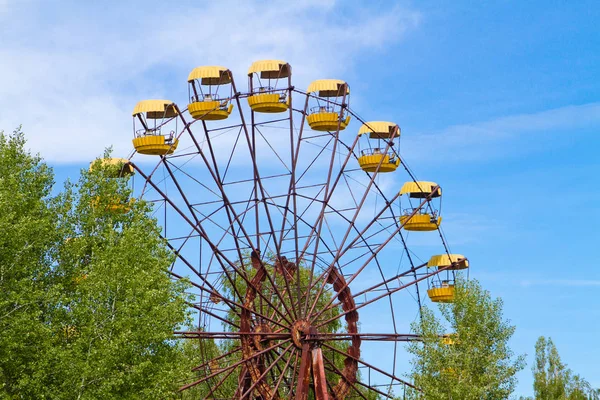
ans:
x=253 y=249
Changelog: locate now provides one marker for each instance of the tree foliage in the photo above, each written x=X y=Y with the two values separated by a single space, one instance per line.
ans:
x=552 y=380
x=476 y=362
x=27 y=232
x=86 y=308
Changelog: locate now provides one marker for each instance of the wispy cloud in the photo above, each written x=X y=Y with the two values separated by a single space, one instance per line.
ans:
x=459 y=229
x=481 y=140
x=72 y=77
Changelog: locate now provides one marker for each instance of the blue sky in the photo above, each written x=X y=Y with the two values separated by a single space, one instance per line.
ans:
x=499 y=102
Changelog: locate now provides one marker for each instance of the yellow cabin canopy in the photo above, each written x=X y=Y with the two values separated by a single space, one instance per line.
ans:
x=328 y=88
x=444 y=260
x=420 y=189
x=155 y=109
x=270 y=69
x=125 y=167
x=380 y=129
x=210 y=75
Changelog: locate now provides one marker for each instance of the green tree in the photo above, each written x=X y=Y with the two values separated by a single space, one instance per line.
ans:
x=476 y=362
x=552 y=380
x=86 y=308
x=118 y=307
x=549 y=373
x=27 y=232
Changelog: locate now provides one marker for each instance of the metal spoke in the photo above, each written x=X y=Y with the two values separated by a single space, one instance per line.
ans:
x=266 y=371
x=272 y=229
x=392 y=376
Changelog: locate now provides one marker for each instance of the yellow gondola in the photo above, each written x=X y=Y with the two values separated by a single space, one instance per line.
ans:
x=442 y=293
x=450 y=339
x=265 y=95
x=213 y=366
x=114 y=204
x=425 y=218
x=117 y=167
x=332 y=98
x=204 y=84
x=379 y=158
x=149 y=139
x=453 y=261
x=449 y=371
x=69 y=332
x=214 y=298
x=79 y=279
x=376 y=161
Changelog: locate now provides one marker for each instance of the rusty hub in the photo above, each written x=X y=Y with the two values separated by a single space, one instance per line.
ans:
x=299 y=329
x=252 y=344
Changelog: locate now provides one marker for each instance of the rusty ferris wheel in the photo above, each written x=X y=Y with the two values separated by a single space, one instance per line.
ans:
x=292 y=230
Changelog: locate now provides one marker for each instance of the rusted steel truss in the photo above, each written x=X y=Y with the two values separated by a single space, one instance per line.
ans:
x=279 y=249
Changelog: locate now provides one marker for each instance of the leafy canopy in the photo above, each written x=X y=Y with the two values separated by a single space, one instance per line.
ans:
x=86 y=308
x=552 y=380
x=27 y=234
x=477 y=362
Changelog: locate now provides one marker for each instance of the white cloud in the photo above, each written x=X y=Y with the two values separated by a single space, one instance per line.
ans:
x=482 y=140
x=72 y=78
x=459 y=230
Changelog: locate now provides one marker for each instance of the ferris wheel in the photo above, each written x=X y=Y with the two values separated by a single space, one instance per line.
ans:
x=287 y=214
